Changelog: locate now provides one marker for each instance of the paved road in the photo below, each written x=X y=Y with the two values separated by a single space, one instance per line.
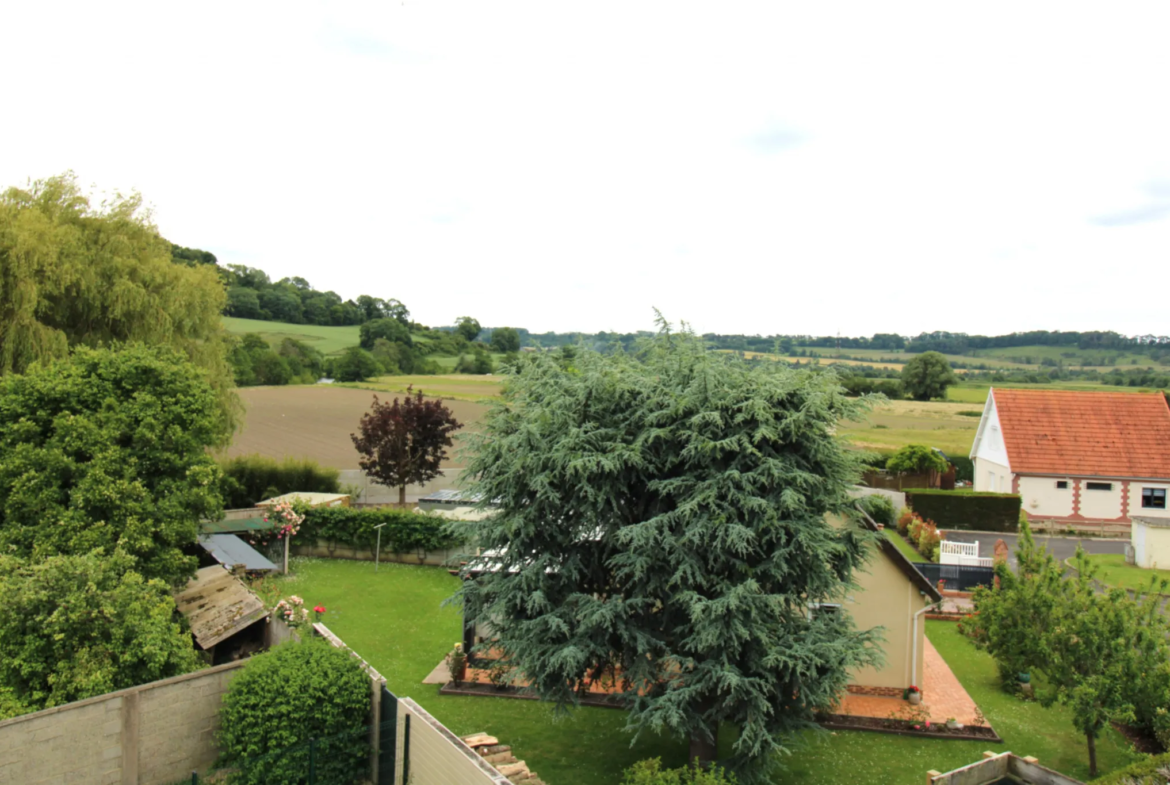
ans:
x=1060 y=547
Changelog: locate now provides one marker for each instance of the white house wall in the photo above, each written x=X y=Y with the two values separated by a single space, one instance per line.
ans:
x=1101 y=504
x=1135 y=500
x=1040 y=496
x=992 y=477
x=989 y=444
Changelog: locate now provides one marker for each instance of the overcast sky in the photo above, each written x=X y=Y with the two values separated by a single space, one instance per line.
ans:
x=757 y=168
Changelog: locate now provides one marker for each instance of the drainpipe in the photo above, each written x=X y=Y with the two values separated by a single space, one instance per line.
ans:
x=914 y=639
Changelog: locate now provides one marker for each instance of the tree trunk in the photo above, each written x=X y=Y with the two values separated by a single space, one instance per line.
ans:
x=1092 y=755
x=402 y=497
x=703 y=749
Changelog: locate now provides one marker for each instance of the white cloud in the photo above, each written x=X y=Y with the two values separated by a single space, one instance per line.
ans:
x=747 y=167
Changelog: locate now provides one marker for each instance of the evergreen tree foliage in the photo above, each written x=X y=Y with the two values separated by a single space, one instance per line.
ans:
x=108 y=449
x=72 y=274
x=663 y=520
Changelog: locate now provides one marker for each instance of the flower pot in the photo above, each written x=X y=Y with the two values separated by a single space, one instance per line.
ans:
x=915 y=698
x=954 y=725
x=1024 y=677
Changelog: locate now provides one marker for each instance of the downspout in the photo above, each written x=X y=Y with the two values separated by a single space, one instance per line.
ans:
x=914 y=639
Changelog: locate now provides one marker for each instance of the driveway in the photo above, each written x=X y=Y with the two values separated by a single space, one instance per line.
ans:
x=1060 y=547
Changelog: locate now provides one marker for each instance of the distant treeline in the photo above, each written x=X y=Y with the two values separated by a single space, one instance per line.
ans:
x=961 y=343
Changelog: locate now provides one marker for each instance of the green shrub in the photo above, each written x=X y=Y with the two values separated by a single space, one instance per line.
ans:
x=249 y=479
x=650 y=772
x=281 y=700
x=964 y=468
x=967 y=510
x=406 y=530
x=1154 y=770
x=916 y=459
x=879 y=507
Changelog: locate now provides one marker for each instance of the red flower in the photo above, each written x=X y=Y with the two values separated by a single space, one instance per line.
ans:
x=320 y=609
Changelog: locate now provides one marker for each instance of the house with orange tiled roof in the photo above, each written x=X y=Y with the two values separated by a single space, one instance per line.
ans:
x=1076 y=457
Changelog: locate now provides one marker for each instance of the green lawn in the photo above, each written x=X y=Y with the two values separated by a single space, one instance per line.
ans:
x=1113 y=571
x=327 y=340
x=394 y=620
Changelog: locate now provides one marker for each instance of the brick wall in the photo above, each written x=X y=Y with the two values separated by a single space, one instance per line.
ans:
x=147 y=735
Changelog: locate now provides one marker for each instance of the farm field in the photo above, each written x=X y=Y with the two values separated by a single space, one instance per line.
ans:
x=1090 y=358
x=458 y=387
x=976 y=392
x=327 y=340
x=897 y=423
x=316 y=421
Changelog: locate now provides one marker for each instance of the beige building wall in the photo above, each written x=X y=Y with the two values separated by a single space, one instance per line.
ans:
x=437 y=756
x=991 y=476
x=886 y=598
x=148 y=735
x=1151 y=543
x=1102 y=504
x=1040 y=496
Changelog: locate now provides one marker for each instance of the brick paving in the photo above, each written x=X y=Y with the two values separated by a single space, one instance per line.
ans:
x=942 y=694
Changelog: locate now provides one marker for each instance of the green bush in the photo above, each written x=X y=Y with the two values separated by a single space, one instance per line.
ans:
x=916 y=459
x=249 y=479
x=1154 y=770
x=650 y=772
x=964 y=468
x=879 y=507
x=281 y=700
x=405 y=531
x=967 y=510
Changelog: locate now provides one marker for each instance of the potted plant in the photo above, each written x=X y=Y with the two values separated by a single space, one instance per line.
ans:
x=457 y=664
x=953 y=724
x=912 y=694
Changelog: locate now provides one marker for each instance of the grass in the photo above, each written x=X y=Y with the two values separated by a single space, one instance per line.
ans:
x=905 y=547
x=898 y=423
x=327 y=340
x=394 y=620
x=1113 y=571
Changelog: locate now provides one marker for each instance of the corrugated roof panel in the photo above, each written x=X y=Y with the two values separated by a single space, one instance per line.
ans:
x=229 y=550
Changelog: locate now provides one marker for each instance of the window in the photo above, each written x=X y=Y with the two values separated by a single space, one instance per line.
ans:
x=1061 y=485
x=1099 y=486
x=1154 y=498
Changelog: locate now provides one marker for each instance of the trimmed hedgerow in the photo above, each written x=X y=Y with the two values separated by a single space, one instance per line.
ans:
x=879 y=507
x=405 y=531
x=288 y=699
x=967 y=510
x=249 y=479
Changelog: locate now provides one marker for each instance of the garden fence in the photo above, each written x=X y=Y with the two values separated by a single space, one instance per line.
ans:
x=957 y=577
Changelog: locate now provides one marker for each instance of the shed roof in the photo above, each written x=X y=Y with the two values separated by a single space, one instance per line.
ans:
x=229 y=550
x=217 y=605
x=312 y=498
x=1085 y=433
x=229 y=525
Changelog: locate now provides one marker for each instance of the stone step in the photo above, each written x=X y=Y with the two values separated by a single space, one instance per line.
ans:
x=480 y=740
x=500 y=758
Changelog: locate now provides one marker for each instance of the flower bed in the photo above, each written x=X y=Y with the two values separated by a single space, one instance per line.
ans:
x=931 y=730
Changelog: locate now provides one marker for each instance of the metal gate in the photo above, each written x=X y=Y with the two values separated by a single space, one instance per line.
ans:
x=388 y=739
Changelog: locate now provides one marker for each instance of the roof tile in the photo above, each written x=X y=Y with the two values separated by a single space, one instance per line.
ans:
x=1085 y=433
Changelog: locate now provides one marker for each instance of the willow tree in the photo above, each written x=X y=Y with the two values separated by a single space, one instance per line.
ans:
x=74 y=274
x=662 y=523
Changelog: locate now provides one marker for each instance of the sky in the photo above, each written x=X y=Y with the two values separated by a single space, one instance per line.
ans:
x=771 y=168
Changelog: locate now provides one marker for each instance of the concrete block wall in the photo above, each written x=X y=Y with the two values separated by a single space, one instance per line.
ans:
x=330 y=550
x=438 y=756
x=147 y=735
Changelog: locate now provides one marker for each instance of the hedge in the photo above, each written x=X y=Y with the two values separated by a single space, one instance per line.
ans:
x=405 y=530
x=249 y=479
x=1146 y=772
x=966 y=510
